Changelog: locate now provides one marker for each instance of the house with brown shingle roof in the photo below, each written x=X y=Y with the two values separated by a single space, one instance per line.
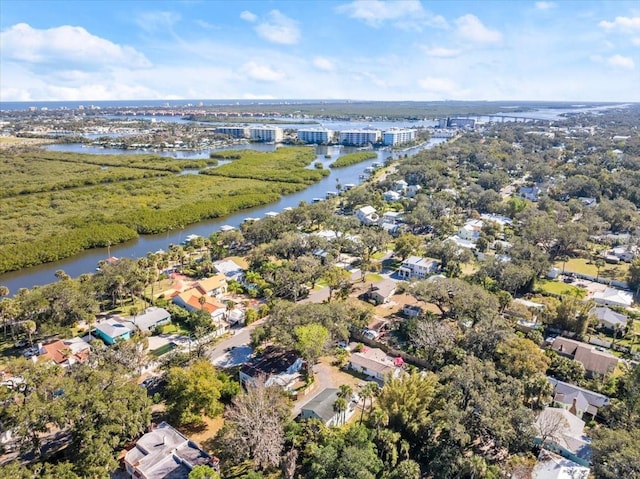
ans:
x=595 y=360
x=65 y=352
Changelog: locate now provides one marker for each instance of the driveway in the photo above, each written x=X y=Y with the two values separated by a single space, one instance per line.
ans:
x=235 y=357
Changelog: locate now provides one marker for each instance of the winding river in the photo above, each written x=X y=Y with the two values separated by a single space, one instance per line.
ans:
x=87 y=261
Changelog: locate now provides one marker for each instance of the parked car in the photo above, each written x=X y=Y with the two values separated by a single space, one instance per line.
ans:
x=21 y=343
x=34 y=351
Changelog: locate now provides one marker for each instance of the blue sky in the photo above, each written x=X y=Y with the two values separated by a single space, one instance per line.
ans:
x=369 y=50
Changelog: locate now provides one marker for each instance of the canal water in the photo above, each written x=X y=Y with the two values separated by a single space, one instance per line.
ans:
x=87 y=261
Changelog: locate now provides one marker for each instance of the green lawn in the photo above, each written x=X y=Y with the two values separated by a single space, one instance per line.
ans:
x=584 y=266
x=372 y=277
x=556 y=287
x=173 y=328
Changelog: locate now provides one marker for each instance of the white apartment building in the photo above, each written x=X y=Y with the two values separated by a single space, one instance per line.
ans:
x=359 y=137
x=233 y=131
x=266 y=133
x=397 y=136
x=315 y=135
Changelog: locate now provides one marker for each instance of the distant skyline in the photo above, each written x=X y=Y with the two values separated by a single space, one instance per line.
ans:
x=358 y=50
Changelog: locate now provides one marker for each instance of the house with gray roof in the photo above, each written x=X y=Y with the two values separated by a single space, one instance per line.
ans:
x=321 y=407
x=561 y=432
x=150 y=318
x=578 y=401
x=112 y=330
x=164 y=453
x=609 y=319
x=381 y=291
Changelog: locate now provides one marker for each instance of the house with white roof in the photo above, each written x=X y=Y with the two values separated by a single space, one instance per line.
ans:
x=609 y=319
x=554 y=466
x=164 y=453
x=230 y=269
x=561 y=432
x=391 y=196
x=415 y=267
x=614 y=297
x=471 y=230
x=368 y=215
x=111 y=330
x=375 y=363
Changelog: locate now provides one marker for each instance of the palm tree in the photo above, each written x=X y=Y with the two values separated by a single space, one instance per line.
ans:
x=599 y=264
x=340 y=406
x=564 y=258
x=202 y=300
x=369 y=391
x=30 y=328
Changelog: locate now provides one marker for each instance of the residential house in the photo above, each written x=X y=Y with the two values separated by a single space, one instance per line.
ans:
x=531 y=193
x=553 y=466
x=500 y=219
x=391 y=196
x=164 y=453
x=561 y=432
x=112 y=330
x=412 y=191
x=624 y=253
x=277 y=366
x=595 y=360
x=214 y=286
x=149 y=319
x=400 y=186
x=471 y=230
x=321 y=407
x=609 y=319
x=415 y=267
x=65 y=352
x=368 y=215
x=578 y=401
x=231 y=270
x=195 y=300
x=381 y=291
x=393 y=217
x=375 y=363
x=614 y=297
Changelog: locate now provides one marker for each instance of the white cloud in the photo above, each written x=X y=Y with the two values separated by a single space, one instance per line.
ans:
x=441 y=88
x=66 y=48
x=621 y=25
x=441 y=52
x=324 y=64
x=248 y=16
x=621 y=61
x=472 y=29
x=157 y=21
x=545 y=5
x=262 y=73
x=407 y=14
x=279 y=28
x=636 y=41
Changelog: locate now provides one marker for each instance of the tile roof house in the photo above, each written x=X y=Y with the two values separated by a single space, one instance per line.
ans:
x=553 y=466
x=375 y=363
x=578 y=401
x=215 y=285
x=381 y=291
x=594 y=360
x=65 y=352
x=190 y=300
x=164 y=453
x=561 y=432
x=321 y=407
x=417 y=267
x=112 y=330
x=277 y=366
x=613 y=297
x=607 y=318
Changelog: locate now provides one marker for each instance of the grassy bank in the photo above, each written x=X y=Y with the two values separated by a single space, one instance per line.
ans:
x=353 y=158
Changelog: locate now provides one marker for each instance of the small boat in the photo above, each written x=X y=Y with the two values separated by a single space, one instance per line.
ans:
x=349 y=186
x=224 y=228
x=271 y=214
x=332 y=194
x=316 y=200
